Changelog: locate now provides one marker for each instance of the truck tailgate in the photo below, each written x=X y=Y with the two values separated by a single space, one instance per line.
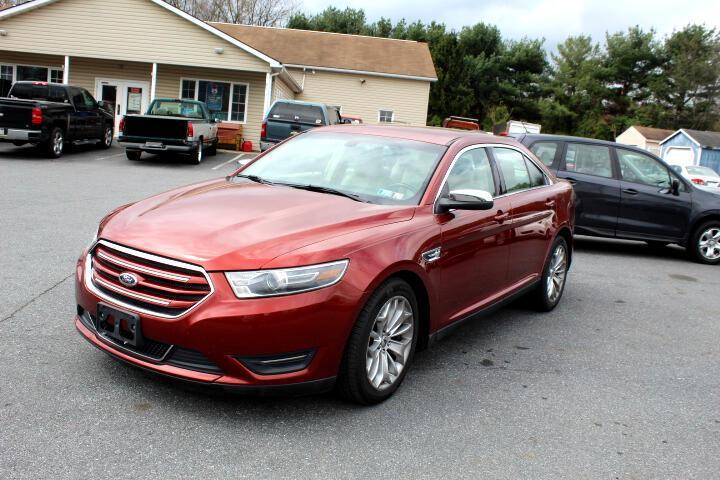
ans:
x=15 y=113
x=151 y=127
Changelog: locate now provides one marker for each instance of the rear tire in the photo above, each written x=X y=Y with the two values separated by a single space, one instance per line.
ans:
x=55 y=146
x=212 y=150
x=133 y=155
x=107 y=138
x=704 y=246
x=379 y=349
x=552 y=283
x=197 y=155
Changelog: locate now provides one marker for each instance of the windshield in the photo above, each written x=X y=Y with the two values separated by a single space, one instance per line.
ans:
x=387 y=171
x=705 y=171
x=176 y=108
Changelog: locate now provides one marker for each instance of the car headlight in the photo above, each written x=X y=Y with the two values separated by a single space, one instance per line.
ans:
x=285 y=281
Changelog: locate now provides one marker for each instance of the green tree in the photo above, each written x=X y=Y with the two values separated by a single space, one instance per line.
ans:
x=687 y=91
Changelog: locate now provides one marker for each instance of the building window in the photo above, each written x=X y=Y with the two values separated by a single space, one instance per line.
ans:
x=188 y=90
x=56 y=76
x=6 y=79
x=31 y=73
x=225 y=100
x=239 y=97
x=386 y=116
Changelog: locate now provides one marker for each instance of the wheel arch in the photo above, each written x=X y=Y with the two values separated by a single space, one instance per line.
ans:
x=567 y=234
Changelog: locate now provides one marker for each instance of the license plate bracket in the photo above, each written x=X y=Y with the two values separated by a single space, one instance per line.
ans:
x=120 y=326
x=154 y=145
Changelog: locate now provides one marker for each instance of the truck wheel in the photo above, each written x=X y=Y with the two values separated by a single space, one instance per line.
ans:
x=56 y=144
x=198 y=154
x=213 y=148
x=133 y=154
x=107 y=138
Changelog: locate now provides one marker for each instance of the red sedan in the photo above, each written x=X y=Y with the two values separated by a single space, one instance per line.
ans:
x=327 y=261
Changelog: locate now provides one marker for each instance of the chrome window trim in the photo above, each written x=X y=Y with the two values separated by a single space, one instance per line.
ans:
x=147 y=256
x=493 y=145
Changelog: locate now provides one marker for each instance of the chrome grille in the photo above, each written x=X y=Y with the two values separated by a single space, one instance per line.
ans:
x=164 y=287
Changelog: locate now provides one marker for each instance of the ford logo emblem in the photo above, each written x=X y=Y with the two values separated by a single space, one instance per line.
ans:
x=128 y=279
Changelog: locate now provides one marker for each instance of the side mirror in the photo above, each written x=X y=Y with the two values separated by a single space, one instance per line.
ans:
x=674 y=188
x=465 y=199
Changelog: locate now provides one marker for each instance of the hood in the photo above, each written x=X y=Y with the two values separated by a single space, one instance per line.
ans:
x=238 y=224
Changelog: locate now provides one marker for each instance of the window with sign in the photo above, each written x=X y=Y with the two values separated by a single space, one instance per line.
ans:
x=225 y=100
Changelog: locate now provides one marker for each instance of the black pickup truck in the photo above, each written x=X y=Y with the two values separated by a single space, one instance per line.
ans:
x=49 y=115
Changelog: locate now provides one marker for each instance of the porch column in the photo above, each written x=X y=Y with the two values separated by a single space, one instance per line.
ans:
x=268 y=93
x=153 y=81
x=66 y=70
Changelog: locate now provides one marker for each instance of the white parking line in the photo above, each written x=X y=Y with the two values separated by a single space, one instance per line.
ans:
x=229 y=161
x=112 y=156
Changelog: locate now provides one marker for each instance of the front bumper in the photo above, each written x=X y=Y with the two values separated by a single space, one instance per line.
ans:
x=233 y=334
x=20 y=135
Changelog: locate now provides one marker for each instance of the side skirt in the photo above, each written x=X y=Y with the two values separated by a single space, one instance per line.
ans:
x=448 y=329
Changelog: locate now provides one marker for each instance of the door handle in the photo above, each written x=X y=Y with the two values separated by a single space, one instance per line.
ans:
x=550 y=203
x=630 y=191
x=500 y=217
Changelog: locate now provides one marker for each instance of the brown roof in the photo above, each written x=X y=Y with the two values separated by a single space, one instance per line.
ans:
x=656 y=134
x=335 y=50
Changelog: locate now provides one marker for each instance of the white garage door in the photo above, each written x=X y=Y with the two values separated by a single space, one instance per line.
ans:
x=680 y=156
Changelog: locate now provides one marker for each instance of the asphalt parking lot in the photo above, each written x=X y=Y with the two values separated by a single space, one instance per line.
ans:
x=620 y=381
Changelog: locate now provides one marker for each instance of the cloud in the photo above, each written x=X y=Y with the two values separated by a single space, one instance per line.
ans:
x=553 y=20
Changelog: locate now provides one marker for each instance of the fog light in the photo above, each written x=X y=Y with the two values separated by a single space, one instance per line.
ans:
x=276 y=364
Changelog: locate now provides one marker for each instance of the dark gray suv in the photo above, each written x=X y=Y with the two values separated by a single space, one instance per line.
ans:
x=626 y=192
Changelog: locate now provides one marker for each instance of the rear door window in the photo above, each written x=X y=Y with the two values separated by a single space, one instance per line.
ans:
x=545 y=151
x=293 y=112
x=537 y=177
x=589 y=159
x=514 y=170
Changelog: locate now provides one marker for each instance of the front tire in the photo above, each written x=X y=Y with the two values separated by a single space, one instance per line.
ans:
x=382 y=344
x=55 y=145
x=552 y=284
x=107 y=138
x=705 y=243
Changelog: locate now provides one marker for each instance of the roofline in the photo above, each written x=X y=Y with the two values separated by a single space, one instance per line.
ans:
x=33 y=4
x=362 y=72
x=692 y=139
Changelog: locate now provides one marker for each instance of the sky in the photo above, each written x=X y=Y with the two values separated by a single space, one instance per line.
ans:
x=553 y=20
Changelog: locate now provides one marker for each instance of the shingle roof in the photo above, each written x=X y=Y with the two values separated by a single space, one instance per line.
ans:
x=655 y=134
x=704 y=138
x=334 y=50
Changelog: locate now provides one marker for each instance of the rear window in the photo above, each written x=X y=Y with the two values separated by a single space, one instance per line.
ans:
x=176 y=108
x=39 y=91
x=705 y=171
x=294 y=112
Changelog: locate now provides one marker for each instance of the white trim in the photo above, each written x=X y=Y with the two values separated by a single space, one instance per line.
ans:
x=232 y=84
x=362 y=72
x=682 y=130
x=66 y=70
x=33 y=4
x=268 y=93
x=153 y=81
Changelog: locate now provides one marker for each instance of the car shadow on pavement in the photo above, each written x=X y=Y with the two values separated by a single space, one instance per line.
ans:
x=629 y=248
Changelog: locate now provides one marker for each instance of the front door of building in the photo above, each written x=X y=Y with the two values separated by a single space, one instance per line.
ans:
x=123 y=97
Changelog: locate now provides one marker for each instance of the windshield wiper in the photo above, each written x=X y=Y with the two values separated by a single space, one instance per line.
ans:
x=254 y=178
x=321 y=189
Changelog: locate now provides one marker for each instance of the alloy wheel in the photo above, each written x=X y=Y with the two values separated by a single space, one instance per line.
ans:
x=390 y=342
x=57 y=143
x=709 y=243
x=108 y=137
x=556 y=273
